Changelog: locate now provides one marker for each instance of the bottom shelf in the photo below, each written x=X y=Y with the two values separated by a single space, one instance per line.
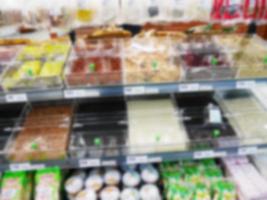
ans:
x=233 y=178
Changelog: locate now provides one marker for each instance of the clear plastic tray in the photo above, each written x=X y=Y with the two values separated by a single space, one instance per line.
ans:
x=196 y=116
x=42 y=134
x=93 y=70
x=33 y=75
x=245 y=114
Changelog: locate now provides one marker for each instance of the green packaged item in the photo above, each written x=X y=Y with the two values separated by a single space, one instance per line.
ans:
x=48 y=183
x=212 y=174
x=224 y=190
x=207 y=163
x=179 y=192
x=193 y=174
x=170 y=178
x=15 y=186
x=201 y=192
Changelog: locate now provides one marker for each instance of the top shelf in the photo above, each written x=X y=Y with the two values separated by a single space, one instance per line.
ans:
x=128 y=90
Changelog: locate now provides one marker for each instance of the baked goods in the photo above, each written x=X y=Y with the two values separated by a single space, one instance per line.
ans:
x=44 y=136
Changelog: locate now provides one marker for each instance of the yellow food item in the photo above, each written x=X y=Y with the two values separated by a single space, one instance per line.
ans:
x=52 y=49
x=85 y=15
x=28 y=69
x=52 y=68
x=32 y=52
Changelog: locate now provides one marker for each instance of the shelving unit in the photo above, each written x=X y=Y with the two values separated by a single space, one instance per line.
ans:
x=128 y=90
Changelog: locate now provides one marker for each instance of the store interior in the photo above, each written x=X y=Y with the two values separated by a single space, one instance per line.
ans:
x=133 y=100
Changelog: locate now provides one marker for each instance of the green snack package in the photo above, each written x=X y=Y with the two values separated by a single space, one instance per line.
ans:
x=201 y=192
x=193 y=174
x=47 y=184
x=179 y=192
x=15 y=186
x=212 y=174
x=224 y=190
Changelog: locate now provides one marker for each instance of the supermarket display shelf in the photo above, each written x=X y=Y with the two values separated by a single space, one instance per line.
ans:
x=71 y=163
x=128 y=90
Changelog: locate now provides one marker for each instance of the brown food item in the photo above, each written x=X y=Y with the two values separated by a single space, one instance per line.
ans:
x=95 y=71
x=152 y=68
x=44 y=135
x=9 y=42
x=109 y=32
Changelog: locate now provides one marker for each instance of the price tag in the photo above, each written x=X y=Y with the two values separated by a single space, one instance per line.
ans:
x=245 y=84
x=152 y=91
x=205 y=88
x=247 y=150
x=26 y=167
x=134 y=90
x=89 y=163
x=69 y=94
x=155 y=160
x=12 y=98
x=109 y=163
x=192 y=87
x=204 y=154
x=137 y=159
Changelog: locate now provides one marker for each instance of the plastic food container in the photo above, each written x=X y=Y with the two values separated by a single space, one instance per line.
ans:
x=205 y=61
x=110 y=193
x=112 y=176
x=147 y=60
x=130 y=194
x=204 y=120
x=43 y=137
x=94 y=181
x=131 y=178
x=94 y=63
x=150 y=192
x=149 y=174
x=86 y=194
x=33 y=75
x=100 y=126
x=156 y=116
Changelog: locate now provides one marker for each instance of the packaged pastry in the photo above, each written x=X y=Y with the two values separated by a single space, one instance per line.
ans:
x=224 y=190
x=130 y=194
x=179 y=192
x=110 y=193
x=201 y=192
x=15 y=186
x=43 y=137
x=48 y=183
x=75 y=183
x=149 y=192
x=94 y=181
x=149 y=174
x=131 y=178
x=86 y=194
x=112 y=176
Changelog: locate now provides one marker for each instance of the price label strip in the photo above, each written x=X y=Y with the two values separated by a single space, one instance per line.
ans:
x=137 y=159
x=69 y=94
x=89 y=163
x=13 y=98
x=26 y=167
x=191 y=87
x=248 y=150
x=245 y=84
x=138 y=90
x=204 y=154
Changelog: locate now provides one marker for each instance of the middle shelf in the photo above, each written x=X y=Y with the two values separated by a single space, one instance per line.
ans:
x=110 y=131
